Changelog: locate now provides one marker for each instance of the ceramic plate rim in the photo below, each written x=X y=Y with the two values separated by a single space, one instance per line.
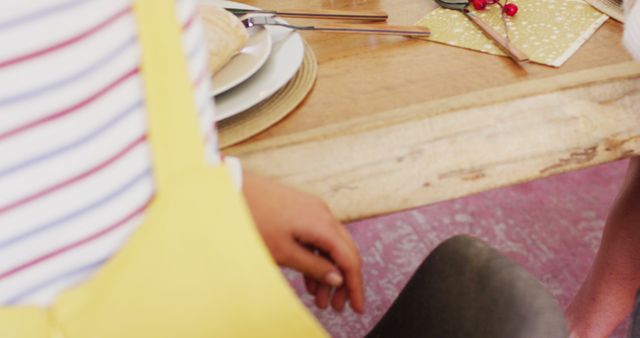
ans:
x=286 y=57
x=259 y=38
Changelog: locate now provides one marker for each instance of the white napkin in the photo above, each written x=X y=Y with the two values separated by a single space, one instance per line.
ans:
x=631 y=37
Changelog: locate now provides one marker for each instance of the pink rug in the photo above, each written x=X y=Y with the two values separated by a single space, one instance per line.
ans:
x=552 y=227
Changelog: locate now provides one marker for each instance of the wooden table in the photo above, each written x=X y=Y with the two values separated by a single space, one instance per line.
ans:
x=394 y=123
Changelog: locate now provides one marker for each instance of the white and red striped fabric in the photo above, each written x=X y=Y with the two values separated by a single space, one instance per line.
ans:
x=75 y=167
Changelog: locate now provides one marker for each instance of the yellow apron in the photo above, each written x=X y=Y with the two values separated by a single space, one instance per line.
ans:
x=197 y=266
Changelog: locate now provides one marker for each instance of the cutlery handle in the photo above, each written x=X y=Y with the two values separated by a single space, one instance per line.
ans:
x=317 y=14
x=334 y=14
x=511 y=50
x=373 y=29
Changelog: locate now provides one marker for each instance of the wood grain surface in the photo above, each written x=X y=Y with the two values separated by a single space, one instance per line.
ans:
x=393 y=123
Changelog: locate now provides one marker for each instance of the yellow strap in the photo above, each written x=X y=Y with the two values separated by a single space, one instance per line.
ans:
x=197 y=266
x=177 y=140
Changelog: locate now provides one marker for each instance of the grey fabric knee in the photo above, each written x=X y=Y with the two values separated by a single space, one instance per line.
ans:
x=467 y=289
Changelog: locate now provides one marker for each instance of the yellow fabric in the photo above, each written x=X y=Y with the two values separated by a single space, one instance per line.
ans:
x=548 y=31
x=196 y=267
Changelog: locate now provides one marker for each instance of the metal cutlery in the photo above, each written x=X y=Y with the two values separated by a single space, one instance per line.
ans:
x=512 y=51
x=341 y=28
x=317 y=13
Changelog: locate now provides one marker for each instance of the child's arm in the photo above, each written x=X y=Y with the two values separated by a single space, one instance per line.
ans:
x=293 y=224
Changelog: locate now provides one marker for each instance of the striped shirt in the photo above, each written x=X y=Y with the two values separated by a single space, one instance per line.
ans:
x=75 y=166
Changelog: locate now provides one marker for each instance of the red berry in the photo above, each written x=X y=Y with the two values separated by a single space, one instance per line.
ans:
x=510 y=9
x=479 y=4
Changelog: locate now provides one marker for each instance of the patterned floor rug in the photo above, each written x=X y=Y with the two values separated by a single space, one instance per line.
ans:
x=552 y=227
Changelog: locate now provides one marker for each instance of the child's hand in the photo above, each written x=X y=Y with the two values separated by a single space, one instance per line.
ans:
x=297 y=227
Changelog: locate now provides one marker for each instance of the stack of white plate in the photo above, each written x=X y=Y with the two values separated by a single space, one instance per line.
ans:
x=267 y=62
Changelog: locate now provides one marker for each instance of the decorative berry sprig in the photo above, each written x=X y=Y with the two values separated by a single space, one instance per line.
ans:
x=508 y=8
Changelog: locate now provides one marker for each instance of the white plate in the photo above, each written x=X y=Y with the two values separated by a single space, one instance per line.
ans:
x=287 y=53
x=244 y=64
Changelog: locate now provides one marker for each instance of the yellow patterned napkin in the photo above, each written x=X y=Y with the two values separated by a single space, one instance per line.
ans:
x=548 y=31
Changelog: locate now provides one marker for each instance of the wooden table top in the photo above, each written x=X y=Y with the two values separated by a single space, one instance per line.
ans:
x=393 y=123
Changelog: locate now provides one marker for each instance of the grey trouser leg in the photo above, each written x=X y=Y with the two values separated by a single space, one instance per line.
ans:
x=467 y=289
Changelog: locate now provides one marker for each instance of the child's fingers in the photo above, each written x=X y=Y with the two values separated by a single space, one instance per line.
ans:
x=335 y=241
x=312 y=265
x=322 y=296
x=310 y=284
x=339 y=298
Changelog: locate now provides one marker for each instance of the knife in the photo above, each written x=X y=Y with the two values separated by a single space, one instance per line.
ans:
x=380 y=29
x=317 y=13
